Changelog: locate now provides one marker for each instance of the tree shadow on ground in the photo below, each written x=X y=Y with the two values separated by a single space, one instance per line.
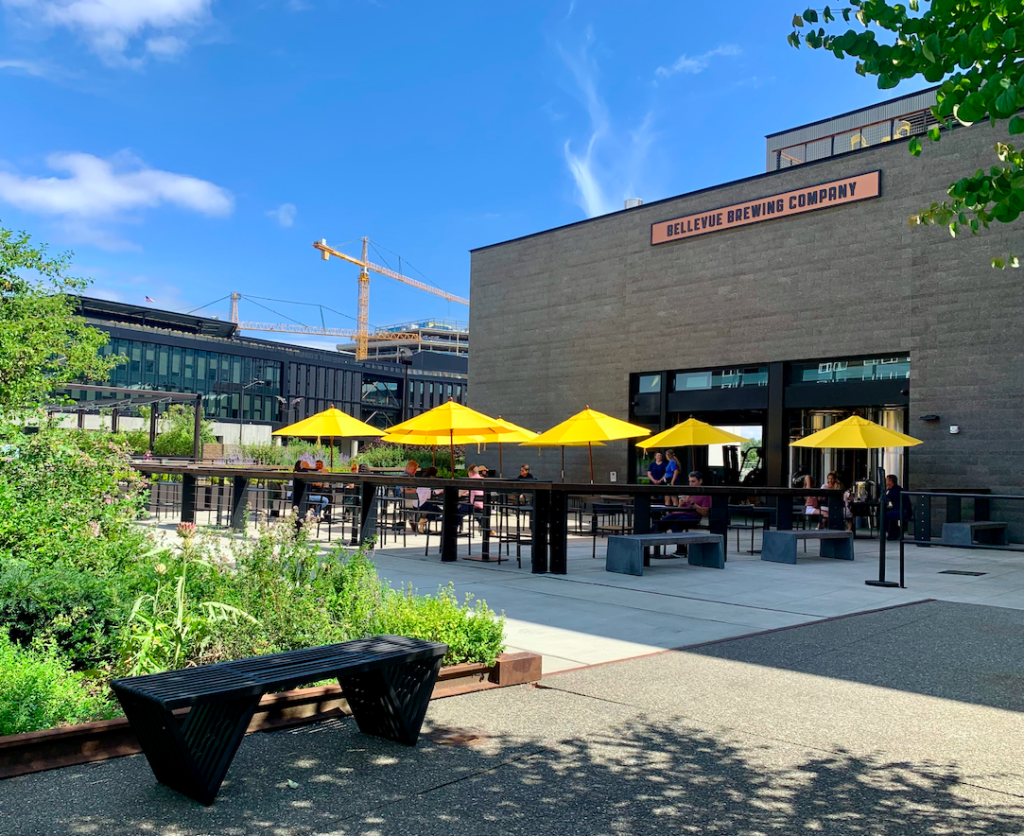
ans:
x=635 y=776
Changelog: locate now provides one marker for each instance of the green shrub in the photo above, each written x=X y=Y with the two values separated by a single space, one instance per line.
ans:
x=73 y=609
x=38 y=691
x=178 y=432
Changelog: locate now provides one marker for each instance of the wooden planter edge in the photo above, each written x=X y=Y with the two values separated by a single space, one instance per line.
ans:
x=22 y=754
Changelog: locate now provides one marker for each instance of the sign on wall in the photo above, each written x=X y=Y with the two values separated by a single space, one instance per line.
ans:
x=809 y=199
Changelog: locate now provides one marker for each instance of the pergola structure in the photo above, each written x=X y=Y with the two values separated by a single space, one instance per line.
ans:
x=140 y=397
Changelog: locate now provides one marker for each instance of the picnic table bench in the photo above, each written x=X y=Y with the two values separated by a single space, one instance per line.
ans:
x=780 y=546
x=387 y=681
x=981 y=532
x=627 y=554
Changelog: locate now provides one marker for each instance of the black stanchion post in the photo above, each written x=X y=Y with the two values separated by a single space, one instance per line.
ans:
x=784 y=513
x=367 y=512
x=836 y=513
x=881 y=535
x=642 y=513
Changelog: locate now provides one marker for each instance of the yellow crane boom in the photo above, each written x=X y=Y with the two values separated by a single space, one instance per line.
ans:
x=365 y=265
x=347 y=333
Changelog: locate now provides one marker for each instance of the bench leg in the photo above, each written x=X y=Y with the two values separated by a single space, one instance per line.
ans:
x=392 y=702
x=778 y=549
x=624 y=557
x=710 y=555
x=191 y=755
x=838 y=549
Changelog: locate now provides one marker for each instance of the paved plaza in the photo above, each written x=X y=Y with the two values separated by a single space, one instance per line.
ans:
x=906 y=721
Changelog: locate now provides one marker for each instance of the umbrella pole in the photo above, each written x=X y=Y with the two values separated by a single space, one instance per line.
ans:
x=451 y=442
x=499 y=460
x=563 y=462
x=433 y=455
x=590 y=448
x=330 y=441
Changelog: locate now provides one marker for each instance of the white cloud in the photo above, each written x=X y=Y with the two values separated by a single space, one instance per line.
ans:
x=697 y=63
x=284 y=214
x=33 y=68
x=609 y=169
x=110 y=27
x=98 y=192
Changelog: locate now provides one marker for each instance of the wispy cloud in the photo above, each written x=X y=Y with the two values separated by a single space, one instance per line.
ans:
x=114 y=28
x=696 y=63
x=96 y=193
x=37 y=69
x=284 y=214
x=610 y=165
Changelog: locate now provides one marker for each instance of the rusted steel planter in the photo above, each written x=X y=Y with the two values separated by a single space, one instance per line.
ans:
x=21 y=754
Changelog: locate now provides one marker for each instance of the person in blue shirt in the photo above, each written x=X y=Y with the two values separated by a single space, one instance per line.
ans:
x=656 y=470
x=671 y=475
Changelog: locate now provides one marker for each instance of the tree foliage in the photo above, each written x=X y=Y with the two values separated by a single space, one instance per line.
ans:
x=977 y=46
x=44 y=344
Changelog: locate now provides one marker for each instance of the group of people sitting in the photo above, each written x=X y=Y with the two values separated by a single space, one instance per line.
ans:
x=894 y=504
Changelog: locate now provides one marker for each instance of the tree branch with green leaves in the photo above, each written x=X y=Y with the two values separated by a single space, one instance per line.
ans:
x=975 y=48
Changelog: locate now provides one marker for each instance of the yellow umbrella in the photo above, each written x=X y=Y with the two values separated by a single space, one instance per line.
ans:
x=690 y=433
x=563 y=446
x=448 y=420
x=514 y=435
x=856 y=433
x=587 y=427
x=331 y=423
x=432 y=441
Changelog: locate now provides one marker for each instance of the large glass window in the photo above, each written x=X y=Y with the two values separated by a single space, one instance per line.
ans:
x=649 y=384
x=721 y=379
x=894 y=367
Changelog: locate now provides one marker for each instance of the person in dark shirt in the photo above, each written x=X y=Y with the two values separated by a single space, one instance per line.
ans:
x=656 y=470
x=894 y=498
x=524 y=472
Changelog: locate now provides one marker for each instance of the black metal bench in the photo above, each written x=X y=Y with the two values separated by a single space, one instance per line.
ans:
x=387 y=681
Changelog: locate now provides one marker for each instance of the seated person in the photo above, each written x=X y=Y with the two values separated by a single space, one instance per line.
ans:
x=475 y=498
x=692 y=510
x=524 y=475
x=426 y=502
x=317 y=498
x=812 y=505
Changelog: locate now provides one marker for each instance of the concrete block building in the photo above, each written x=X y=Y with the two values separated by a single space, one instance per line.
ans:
x=779 y=304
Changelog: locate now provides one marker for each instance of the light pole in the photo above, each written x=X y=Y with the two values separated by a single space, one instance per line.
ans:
x=289 y=407
x=241 y=400
x=405 y=358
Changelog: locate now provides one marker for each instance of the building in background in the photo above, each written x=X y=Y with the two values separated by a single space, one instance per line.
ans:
x=775 y=305
x=439 y=336
x=254 y=381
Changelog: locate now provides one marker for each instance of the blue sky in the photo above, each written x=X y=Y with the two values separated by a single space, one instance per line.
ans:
x=185 y=149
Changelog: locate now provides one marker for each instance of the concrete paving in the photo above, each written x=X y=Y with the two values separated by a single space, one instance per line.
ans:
x=894 y=723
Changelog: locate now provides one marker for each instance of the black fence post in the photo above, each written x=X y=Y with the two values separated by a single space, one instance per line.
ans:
x=923 y=518
x=558 y=524
x=642 y=513
x=367 y=512
x=239 y=491
x=539 y=549
x=449 y=525
x=784 y=514
x=188 y=498
x=718 y=520
x=836 y=513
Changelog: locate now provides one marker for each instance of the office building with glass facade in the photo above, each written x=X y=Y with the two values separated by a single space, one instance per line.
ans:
x=775 y=305
x=260 y=381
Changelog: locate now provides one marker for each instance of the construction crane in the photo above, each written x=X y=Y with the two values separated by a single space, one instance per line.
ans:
x=365 y=265
x=289 y=328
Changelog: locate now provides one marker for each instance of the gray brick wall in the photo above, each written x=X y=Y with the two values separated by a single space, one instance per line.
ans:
x=561 y=319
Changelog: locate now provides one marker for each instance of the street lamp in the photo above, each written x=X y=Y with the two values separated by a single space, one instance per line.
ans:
x=241 y=400
x=405 y=358
x=288 y=406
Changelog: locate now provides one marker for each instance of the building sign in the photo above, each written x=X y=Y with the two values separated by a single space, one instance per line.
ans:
x=796 y=202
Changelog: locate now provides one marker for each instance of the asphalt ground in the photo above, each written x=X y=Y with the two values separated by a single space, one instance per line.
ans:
x=905 y=721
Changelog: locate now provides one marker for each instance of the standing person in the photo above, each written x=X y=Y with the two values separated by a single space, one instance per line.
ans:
x=894 y=498
x=427 y=504
x=656 y=470
x=671 y=475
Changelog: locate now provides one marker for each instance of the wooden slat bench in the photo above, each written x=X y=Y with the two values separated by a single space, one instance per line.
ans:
x=627 y=554
x=984 y=533
x=780 y=546
x=386 y=680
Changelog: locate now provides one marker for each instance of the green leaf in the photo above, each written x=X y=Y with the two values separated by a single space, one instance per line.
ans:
x=998 y=264
x=794 y=40
x=931 y=47
x=811 y=16
x=934 y=134
x=797 y=21
x=915 y=5
x=887 y=82
x=1006 y=102
x=915 y=146
x=1010 y=38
